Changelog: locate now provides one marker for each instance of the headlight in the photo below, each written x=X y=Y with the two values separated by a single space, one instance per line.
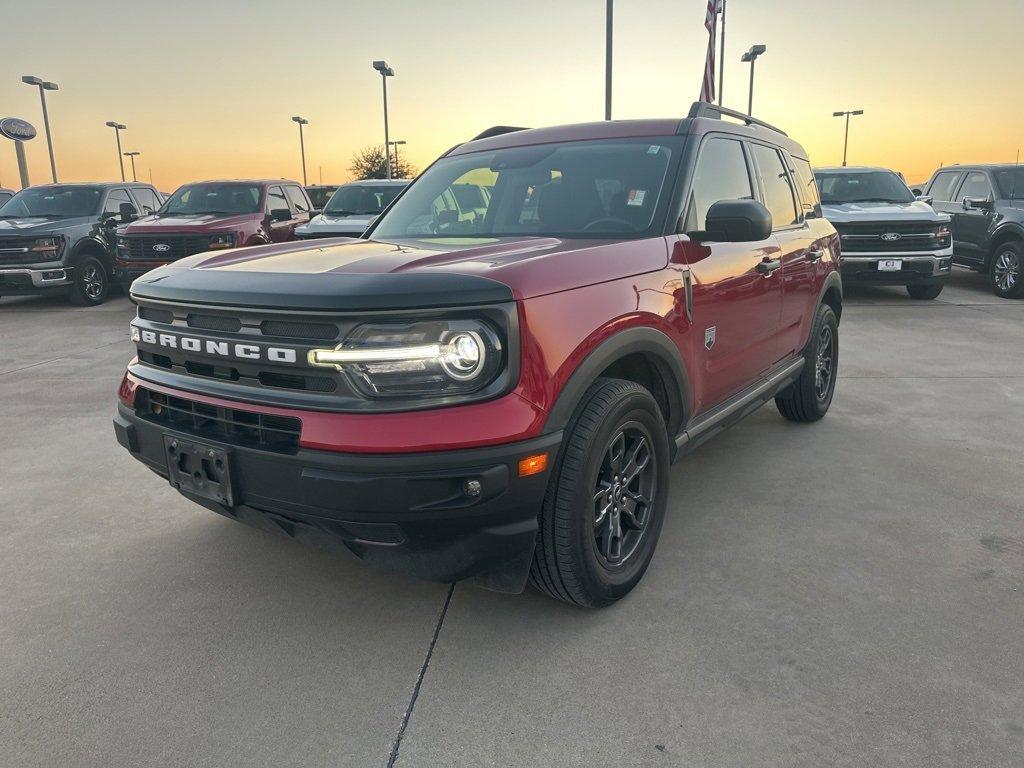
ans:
x=428 y=357
x=222 y=241
x=48 y=246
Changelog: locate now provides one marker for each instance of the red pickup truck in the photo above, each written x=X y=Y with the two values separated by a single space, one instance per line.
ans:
x=499 y=393
x=211 y=215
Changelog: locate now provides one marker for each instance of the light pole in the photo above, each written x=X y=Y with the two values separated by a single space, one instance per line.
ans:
x=751 y=56
x=133 y=155
x=302 y=145
x=395 y=145
x=846 y=138
x=608 y=61
x=45 y=85
x=385 y=73
x=118 y=127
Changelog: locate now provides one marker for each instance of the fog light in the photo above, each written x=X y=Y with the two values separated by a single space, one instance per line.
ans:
x=136 y=336
x=55 y=274
x=472 y=488
x=533 y=465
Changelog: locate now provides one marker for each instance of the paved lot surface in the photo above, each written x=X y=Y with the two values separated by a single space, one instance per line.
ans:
x=849 y=593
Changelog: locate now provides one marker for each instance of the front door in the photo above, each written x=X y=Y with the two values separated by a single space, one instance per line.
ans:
x=971 y=225
x=942 y=190
x=279 y=226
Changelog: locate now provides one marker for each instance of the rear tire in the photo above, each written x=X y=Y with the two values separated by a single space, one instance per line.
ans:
x=925 y=292
x=1007 y=272
x=605 y=502
x=91 y=283
x=809 y=397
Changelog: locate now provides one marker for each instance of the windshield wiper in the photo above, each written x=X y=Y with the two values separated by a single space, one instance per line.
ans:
x=341 y=213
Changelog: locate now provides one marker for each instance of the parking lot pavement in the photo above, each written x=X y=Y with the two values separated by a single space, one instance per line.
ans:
x=846 y=593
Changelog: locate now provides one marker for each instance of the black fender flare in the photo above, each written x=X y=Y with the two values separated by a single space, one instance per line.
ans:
x=1008 y=230
x=90 y=246
x=648 y=341
x=833 y=280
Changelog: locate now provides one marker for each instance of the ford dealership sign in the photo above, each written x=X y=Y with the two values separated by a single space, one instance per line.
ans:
x=16 y=129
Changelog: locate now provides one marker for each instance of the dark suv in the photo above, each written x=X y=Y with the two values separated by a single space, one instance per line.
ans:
x=210 y=216
x=60 y=237
x=986 y=203
x=499 y=396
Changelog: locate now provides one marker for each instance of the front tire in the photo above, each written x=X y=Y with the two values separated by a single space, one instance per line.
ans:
x=925 y=292
x=809 y=397
x=1007 y=273
x=92 y=283
x=605 y=503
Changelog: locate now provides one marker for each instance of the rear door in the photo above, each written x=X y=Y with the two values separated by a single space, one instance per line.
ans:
x=736 y=307
x=279 y=226
x=971 y=225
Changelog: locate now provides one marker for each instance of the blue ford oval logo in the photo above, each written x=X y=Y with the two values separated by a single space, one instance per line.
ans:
x=161 y=247
x=16 y=129
x=891 y=237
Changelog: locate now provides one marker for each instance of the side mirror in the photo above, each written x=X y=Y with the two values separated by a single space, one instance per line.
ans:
x=978 y=204
x=917 y=192
x=738 y=221
x=128 y=212
x=280 y=214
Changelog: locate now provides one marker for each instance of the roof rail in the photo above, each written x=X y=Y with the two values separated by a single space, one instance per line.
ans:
x=704 y=109
x=497 y=130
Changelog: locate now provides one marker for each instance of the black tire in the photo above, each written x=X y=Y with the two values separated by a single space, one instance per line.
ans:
x=91 y=283
x=925 y=292
x=808 y=398
x=575 y=559
x=1007 y=270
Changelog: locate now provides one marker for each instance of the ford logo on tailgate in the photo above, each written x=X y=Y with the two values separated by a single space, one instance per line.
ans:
x=891 y=237
x=161 y=247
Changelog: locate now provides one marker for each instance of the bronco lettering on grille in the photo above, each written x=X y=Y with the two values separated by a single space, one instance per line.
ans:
x=219 y=348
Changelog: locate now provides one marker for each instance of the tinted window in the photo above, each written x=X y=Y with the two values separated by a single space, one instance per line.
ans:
x=56 y=202
x=146 y=199
x=298 y=199
x=276 y=200
x=942 y=187
x=808 y=187
x=1011 y=182
x=320 y=195
x=215 y=198
x=721 y=174
x=839 y=187
x=362 y=199
x=600 y=188
x=4 y=197
x=114 y=199
x=778 y=193
x=975 y=185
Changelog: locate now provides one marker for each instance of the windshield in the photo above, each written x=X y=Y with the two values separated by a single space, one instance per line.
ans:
x=213 y=198
x=320 y=195
x=863 y=187
x=363 y=199
x=586 y=189
x=1011 y=183
x=53 y=202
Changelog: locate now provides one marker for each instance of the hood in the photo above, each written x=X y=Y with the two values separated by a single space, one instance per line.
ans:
x=916 y=210
x=40 y=225
x=324 y=222
x=200 y=223
x=374 y=274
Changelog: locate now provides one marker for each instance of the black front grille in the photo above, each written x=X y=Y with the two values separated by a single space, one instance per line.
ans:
x=162 y=247
x=15 y=250
x=298 y=330
x=215 y=323
x=227 y=425
x=890 y=237
x=156 y=315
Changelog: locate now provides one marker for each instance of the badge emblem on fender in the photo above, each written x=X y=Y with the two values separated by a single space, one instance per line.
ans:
x=709 y=336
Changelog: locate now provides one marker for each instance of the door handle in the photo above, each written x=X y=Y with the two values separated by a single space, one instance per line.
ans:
x=768 y=265
x=815 y=256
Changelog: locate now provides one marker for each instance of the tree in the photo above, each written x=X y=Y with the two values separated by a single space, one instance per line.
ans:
x=370 y=163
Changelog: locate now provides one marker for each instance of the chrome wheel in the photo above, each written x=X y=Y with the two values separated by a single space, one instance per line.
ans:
x=624 y=495
x=1006 y=270
x=93 y=281
x=823 y=363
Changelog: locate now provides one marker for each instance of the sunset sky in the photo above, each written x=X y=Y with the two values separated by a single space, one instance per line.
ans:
x=207 y=89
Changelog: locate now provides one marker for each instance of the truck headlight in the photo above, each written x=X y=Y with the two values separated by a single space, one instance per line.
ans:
x=222 y=241
x=428 y=357
x=46 y=246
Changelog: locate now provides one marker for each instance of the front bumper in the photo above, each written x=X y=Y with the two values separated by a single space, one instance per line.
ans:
x=126 y=271
x=403 y=512
x=918 y=268
x=30 y=280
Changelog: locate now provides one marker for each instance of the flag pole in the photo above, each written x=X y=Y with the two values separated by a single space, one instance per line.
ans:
x=721 y=60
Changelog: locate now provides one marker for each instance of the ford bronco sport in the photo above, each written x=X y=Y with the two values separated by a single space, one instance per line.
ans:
x=499 y=396
x=59 y=238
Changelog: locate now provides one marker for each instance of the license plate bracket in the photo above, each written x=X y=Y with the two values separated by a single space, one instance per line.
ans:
x=199 y=469
x=890 y=265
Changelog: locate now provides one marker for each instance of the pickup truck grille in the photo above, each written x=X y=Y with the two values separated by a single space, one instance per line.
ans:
x=15 y=250
x=879 y=237
x=151 y=247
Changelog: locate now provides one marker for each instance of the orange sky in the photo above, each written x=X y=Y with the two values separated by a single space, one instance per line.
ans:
x=207 y=89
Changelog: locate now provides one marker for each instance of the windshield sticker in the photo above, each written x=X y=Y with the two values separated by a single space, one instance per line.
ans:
x=636 y=197
x=653 y=149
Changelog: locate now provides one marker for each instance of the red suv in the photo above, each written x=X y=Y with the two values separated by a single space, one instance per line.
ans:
x=499 y=393
x=211 y=215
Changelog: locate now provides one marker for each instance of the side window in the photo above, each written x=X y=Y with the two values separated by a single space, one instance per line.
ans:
x=114 y=199
x=276 y=200
x=146 y=199
x=298 y=199
x=975 y=185
x=721 y=174
x=808 y=187
x=942 y=187
x=778 y=191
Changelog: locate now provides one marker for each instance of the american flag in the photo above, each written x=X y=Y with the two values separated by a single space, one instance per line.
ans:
x=707 y=88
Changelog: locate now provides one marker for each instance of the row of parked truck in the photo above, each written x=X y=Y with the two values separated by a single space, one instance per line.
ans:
x=85 y=239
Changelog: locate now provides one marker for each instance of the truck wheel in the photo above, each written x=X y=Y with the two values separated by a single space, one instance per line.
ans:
x=1008 y=270
x=605 y=502
x=808 y=398
x=92 y=284
x=925 y=292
